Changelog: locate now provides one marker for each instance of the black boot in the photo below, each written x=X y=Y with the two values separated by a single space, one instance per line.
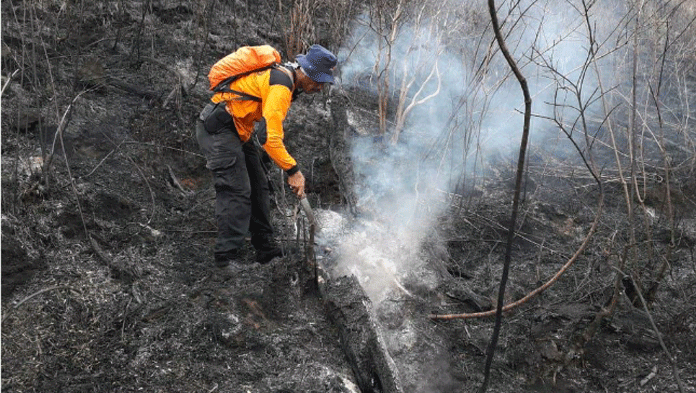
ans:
x=267 y=253
x=223 y=259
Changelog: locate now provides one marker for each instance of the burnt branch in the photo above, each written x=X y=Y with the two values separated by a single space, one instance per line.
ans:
x=518 y=186
x=542 y=288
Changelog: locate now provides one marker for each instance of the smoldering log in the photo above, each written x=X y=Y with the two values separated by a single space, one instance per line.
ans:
x=349 y=309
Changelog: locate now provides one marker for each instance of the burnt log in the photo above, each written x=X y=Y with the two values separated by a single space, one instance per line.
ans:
x=349 y=309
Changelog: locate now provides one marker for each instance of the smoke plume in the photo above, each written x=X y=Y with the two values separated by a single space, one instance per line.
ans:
x=476 y=115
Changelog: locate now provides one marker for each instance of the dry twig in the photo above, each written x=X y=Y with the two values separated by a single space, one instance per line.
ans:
x=152 y=193
x=9 y=79
x=538 y=290
x=176 y=181
x=59 y=136
x=31 y=297
x=672 y=360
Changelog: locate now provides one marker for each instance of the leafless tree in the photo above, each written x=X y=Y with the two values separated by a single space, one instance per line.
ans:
x=424 y=53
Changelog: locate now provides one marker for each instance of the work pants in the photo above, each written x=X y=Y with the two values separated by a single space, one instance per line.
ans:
x=242 y=196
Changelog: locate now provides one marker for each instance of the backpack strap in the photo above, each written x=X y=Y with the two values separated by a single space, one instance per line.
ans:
x=224 y=86
x=242 y=95
x=281 y=75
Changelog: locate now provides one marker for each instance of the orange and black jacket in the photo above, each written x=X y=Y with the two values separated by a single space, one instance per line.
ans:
x=274 y=88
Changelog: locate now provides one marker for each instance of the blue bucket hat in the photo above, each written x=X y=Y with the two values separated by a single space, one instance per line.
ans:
x=318 y=64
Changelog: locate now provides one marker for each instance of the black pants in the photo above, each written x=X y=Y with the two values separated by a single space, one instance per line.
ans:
x=242 y=203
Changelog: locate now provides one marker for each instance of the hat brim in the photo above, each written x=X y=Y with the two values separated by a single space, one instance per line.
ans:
x=312 y=73
x=322 y=77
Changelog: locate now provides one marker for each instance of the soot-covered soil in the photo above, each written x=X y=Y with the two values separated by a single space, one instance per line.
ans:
x=140 y=307
x=107 y=280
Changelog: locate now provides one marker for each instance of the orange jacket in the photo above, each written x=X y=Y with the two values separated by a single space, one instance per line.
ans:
x=274 y=105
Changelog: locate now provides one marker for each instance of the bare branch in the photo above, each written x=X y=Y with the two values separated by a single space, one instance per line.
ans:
x=9 y=79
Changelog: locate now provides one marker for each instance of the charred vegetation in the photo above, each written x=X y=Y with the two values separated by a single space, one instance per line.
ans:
x=107 y=207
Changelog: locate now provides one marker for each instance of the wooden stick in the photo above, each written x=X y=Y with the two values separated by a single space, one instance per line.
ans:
x=672 y=360
x=540 y=289
x=304 y=203
x=9 y=79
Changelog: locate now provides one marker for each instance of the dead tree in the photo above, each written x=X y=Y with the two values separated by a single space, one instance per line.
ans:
x=424 y=52
x=386 y=20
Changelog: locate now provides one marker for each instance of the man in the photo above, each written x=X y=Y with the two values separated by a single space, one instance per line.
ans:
x=224 y=132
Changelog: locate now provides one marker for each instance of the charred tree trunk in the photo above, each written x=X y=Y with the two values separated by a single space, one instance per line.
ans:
x=339 y=151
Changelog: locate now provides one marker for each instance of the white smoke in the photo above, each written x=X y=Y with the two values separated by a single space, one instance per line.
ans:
x=475 y=115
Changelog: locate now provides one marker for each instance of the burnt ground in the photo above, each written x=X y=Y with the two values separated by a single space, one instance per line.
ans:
x=107 y=281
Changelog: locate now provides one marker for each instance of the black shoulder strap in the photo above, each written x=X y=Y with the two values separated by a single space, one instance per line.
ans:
x=224 y=86
x=281 y=76
x=242 y=95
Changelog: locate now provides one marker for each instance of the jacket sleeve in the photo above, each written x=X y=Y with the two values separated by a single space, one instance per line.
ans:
x=275 y=108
